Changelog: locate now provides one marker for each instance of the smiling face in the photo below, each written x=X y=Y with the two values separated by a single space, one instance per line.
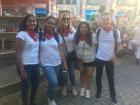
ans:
x=31 y=23
x=50 y=24
x=66 y=20
x=106 y=21
x=83 y=29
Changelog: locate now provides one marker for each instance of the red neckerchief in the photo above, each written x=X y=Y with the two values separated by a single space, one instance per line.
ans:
x=65 y=32
x=48 y=35
x=107 y=29
x=82 y=37
x=33 y=35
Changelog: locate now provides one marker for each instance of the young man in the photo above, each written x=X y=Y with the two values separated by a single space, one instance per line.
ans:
x=106 y=55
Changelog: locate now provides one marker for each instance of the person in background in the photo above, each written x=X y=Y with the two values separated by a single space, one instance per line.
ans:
x=102 y=9
x=105 y=56
x=123 y=22
x=27 y=52
x=75 y=22
x=85 y=46
x=67 y=33
x=51 y=56
x=113 y=18
x=136 y=42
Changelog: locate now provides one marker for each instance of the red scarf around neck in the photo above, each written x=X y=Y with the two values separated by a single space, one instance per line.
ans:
x=48 y=35
x=32 y=34
x=65 y=32
x=82 y=37
x=107 y=29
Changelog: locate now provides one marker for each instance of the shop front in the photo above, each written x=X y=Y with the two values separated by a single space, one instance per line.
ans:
x=12 y=12
x=22 y=7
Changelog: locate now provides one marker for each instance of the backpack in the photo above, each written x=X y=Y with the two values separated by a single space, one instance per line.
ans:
x=115 y=36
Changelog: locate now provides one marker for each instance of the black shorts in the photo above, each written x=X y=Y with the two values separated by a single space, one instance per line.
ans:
x=90 y=64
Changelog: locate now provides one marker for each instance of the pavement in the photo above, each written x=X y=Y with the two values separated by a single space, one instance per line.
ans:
x=127 y=84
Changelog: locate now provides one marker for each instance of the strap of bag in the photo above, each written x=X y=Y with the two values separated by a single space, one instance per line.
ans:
x=83 y=50
x=115 y=35
x=56 y=37
x=98 y=33
x=65 y=45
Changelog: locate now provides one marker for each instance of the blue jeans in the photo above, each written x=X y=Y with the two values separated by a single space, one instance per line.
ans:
x=32 y=81
x=71 y=71
x=51 y=75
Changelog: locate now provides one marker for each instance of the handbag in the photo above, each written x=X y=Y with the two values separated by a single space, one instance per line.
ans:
x=70 y=56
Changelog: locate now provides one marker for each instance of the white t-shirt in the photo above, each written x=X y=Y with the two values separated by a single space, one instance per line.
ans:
x=30 y=48
x=106 y=45
x=49 y=52
x=86 y=52
x=69 y=41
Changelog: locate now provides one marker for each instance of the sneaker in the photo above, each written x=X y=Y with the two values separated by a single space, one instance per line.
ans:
x=87 y=94
x=74 y=91
x=64 y=91
x=97 y=96
x=82 y=92
x=51 y=102
x=114 y=100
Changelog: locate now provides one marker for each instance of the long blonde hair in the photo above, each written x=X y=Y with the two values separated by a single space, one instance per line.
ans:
x=60 y=24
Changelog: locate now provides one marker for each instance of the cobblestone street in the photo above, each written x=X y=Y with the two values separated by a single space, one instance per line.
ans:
x=127 y=83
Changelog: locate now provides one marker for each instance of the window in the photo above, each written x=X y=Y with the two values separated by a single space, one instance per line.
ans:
x=66 y=1
x=73 y=1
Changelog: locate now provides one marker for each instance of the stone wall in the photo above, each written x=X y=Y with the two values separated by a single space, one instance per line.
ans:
x=7 y=59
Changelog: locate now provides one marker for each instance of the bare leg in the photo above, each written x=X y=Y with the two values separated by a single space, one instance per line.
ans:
x=83 y=77
x=89 y=74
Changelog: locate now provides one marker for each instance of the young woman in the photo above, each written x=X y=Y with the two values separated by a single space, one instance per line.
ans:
x=51 y=54
x=85 y=49
x=27 y=50
x=67 y=32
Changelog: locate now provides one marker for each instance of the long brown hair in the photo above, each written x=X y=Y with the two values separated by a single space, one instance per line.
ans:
x=50 y=17
x=60 y=25
x=88 y=34
x=23 y=24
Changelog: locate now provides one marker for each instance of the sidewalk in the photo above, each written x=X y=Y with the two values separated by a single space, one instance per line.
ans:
x=127 y=82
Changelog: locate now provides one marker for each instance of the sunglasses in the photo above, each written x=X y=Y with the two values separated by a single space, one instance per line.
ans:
x=51 y=23
x=66 y=18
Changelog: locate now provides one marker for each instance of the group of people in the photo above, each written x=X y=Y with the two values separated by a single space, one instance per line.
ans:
x=60 y=48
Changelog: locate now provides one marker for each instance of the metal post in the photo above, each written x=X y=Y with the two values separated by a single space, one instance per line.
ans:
x=78 y=8
x=0 y=8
